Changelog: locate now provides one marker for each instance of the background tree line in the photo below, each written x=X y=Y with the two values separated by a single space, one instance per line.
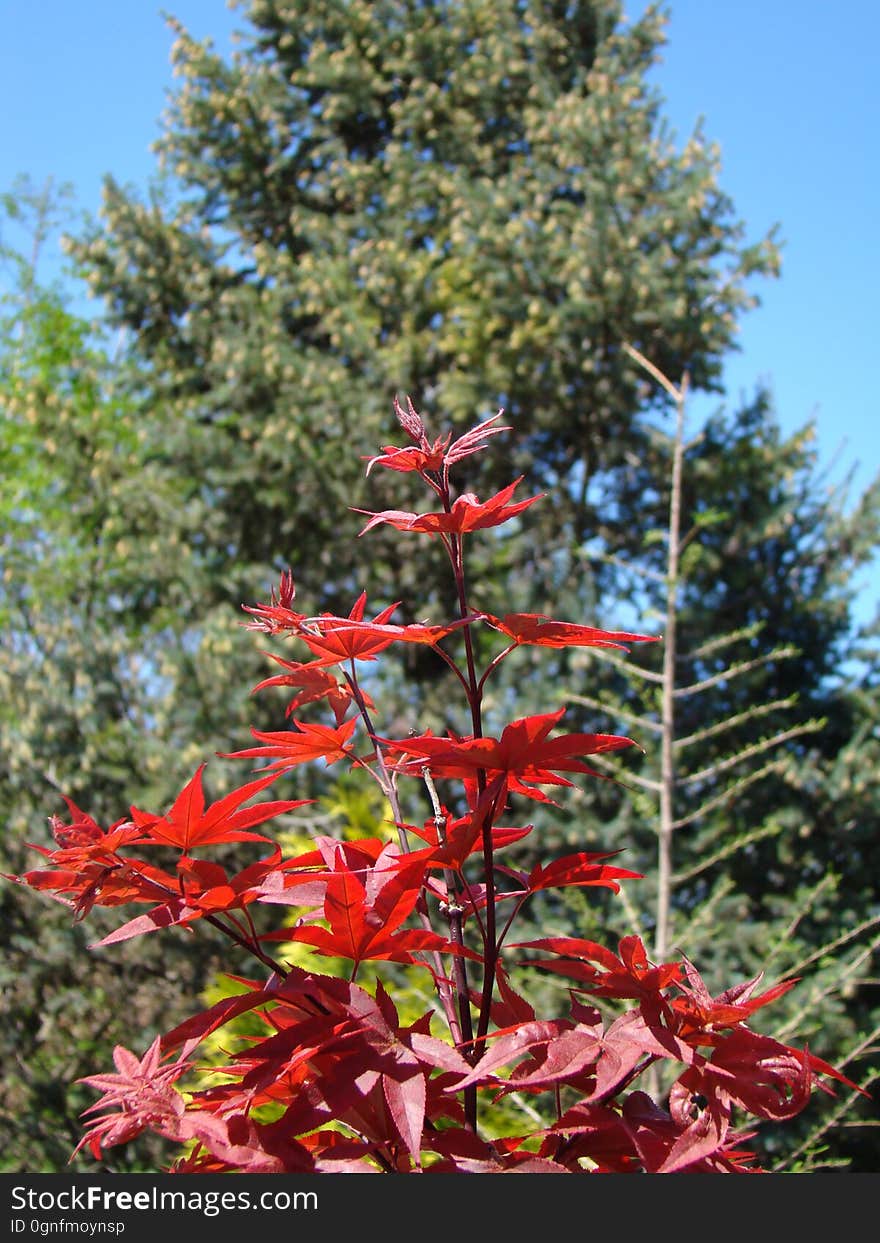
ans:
x=478 y=205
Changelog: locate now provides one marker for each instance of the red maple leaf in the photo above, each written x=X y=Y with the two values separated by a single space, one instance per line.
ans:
x=386 y=633
x=524 y=753
x=204 y=888
x=277 y=616
x=557 y=1050
x=113 y=882
x=580 y=869
x=467 y=513
x=335 y=639
x=428 y=458
x=82 y=843
x=316 y=684
x=300 y=745
x=629 y=975
x=208 y=887
x=461 y=838
x=83 y=837
x=140 y=1095
x=365 y=907
x=699 y=1015
x=768 y=1078
x=535 y=628
x=88 y=868
x=189 y=823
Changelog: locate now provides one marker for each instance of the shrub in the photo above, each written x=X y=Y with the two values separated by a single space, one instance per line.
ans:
x=330 y=1078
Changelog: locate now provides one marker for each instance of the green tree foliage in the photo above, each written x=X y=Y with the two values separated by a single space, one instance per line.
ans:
x=471 y=202
x=756 y=826
x=103 y=682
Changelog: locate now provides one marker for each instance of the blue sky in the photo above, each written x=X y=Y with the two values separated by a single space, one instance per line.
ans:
x=789 y=92
x=787 y=88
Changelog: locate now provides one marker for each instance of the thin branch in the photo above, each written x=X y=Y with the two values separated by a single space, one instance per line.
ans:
x=603 y=764
x=841 y=977
x=828 y=881
x=643 y=722
x=626 y=666
x=757 y=748
x=640 y=571
x=676 y=394
x=703 y=914
x=725 y=640
x=733 y=671
x=750 y=714
x=799 y=967
x=754 y=835
x=727 y=794
x=864 y=1046
x=632 y=914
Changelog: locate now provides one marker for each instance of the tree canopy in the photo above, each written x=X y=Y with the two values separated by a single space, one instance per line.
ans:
x=472 y=203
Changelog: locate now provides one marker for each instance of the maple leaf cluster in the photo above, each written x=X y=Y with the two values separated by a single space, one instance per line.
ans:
x=338 y=1082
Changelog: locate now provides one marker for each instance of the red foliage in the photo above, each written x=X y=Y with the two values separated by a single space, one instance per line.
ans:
x=534 y=628
x=338 y=1083
x=524 y=754
x=466 y=513
x=188 y=824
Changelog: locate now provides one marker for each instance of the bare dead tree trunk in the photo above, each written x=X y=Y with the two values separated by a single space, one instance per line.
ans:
x=667 y=736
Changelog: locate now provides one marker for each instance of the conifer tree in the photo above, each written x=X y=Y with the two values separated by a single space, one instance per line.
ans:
x=746 y=714
x=101 y=686
x=473 y=203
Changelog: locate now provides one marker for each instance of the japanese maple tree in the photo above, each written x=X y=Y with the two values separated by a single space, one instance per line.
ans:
x=337 y=1080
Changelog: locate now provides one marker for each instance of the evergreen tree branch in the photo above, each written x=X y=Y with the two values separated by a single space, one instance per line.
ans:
x=638 y=571
x=829 y=948
x=750 y=714
x=624 y=714
x=828 y=881
x=711 y=646
x=627 y=667
x=728 y=849
x=733 y=671
x=727 y=794
x=758 y=748
x=703 y=915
